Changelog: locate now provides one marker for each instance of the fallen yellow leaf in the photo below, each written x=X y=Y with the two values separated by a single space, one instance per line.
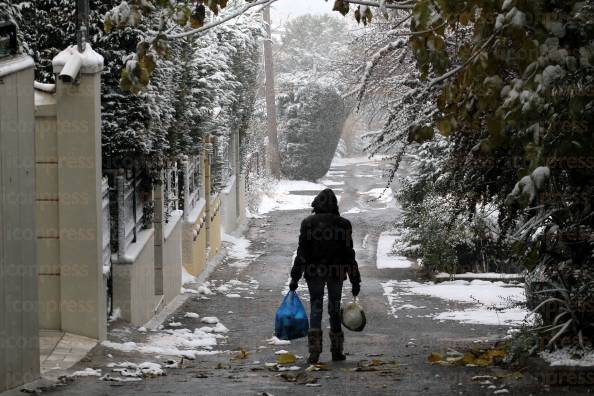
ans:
x=435 y=357
x=286 y=358
x=242 y=354
x=376 y=362
x=468 y=358
x=482 y=362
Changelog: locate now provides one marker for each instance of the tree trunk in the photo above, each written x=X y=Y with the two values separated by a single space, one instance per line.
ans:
x=273 y=152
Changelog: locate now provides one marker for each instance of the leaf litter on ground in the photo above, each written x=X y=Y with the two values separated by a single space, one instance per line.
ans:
x=299 y=378
x=385 y=367
x=472 y=358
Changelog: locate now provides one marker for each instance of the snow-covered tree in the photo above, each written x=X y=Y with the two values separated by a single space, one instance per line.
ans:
x=507 y=83
x=313 y=44
x=200 y=84
x=9 y=11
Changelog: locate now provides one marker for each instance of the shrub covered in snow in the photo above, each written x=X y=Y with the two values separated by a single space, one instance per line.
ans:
x=311 y=118
x=446 y=237
x=311 y=111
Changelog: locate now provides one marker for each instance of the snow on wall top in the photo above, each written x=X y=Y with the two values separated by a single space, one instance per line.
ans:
x=92 y=62
x=15 y=64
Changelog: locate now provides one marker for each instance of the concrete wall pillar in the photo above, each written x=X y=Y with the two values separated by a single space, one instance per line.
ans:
x=19 y=329
x=78 y=114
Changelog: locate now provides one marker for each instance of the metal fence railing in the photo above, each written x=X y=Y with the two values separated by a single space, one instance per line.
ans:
x=171 y=190
x=190 y=172
x=134 y=207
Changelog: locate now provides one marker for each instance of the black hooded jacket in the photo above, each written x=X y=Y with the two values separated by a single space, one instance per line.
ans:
x=325 y=243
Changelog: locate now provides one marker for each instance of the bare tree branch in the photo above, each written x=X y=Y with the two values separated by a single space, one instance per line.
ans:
x=226 y=18
x=456 y=70
x=404 y=5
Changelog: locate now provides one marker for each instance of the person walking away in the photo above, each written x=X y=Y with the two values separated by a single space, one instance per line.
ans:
x=325 y=257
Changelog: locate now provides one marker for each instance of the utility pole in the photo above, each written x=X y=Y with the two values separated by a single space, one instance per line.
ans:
x=273 y=152
x=82 y=24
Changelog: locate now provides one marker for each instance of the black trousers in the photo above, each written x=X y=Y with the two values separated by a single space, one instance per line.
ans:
x=316 y=293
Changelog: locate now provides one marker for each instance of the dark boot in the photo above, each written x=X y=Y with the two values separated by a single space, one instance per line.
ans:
x=337 y=340
x=314 y=338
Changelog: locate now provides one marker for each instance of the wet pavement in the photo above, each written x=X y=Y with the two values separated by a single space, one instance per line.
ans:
x=388 y=358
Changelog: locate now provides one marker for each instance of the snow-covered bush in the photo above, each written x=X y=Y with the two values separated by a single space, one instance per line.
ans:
x=444 y=235
x=311 y=111
x=311 y=119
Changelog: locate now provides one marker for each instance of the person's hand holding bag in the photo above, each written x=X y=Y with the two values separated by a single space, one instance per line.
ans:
x=356 y=289
x=293 y=285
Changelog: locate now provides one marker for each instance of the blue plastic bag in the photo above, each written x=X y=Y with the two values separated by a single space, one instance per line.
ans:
x=291 y=319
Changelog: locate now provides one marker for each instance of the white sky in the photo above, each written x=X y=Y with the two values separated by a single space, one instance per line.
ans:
x=285 y=9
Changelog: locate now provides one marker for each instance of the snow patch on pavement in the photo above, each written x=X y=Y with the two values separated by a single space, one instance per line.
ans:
x=88 y=372
x=332 y=183
x=187 y=278
x=299 y=185
x=493 y=300
x=344 y=161
x=569 y=356
x=284 y=201
x=510 y=316
x=238 y=246
x=276 y=341
x=146 y=369
x=175 y=342
x=354 y=210
x=383 y=195
x=475 y=291
x=482 y=275
x=385 y=258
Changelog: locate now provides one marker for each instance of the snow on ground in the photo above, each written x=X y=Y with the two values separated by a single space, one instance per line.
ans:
x=187 y=277
x=383 y=195
x=355 y=160
x=354 y=210
x=238 y=249
x=88 y=372
x=233 y=288
x=332 y=183
x=478 y=291
x=276 y=341
x=492 y=299
x=569 y=356
x=146 y=369
x=281 y=198
x=509 y=316
x=385 y=258
x=175 y=342
x=299 y=185
x=482 y=275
